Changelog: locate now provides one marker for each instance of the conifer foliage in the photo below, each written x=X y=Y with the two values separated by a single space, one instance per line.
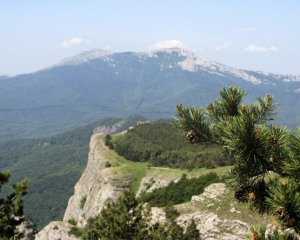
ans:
x=267 y=157
x=11 y=208
x=126 y=219
x=130 y=219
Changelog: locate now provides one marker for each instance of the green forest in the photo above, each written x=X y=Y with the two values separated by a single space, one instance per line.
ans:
x=179 y=192
x=162 y=144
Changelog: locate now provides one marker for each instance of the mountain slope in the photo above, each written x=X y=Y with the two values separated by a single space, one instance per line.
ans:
x=98 y=84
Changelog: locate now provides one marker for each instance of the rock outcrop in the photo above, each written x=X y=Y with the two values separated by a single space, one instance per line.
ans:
x=208 y=223
x=96 y=185
x=54 y=231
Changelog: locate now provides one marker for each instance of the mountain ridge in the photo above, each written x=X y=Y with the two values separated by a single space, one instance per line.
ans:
x=192 y=63
x=98 y=84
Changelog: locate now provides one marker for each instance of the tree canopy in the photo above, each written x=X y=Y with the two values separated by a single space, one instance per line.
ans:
x=267 y=157
x=11 y=208
x=129 y=218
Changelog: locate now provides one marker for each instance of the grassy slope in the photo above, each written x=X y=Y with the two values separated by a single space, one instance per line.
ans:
x=139 y=170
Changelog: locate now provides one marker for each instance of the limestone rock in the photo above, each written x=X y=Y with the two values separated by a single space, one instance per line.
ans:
x=96 y=185
x=28 y=228
x=158 y=215
x=106 y=129
x=211 y=226
x=154 y=183
x=212 y=191
x=54 y=231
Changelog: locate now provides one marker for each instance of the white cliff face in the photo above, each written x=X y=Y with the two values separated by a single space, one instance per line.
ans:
x=97 y=185
x=55 y=230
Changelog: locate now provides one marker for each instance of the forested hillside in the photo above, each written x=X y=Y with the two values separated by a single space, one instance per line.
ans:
x=52 y=165
x=97 y=84
x=162 y=144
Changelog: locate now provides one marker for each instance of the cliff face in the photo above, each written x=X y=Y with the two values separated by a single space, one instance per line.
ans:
x=96 y=185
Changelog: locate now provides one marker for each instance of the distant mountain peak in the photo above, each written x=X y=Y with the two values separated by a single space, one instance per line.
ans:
x=188 y=61
x=84 y=56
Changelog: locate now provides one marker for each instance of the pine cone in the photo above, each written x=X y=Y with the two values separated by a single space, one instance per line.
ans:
x=289 y=223
x=191 y=136
x=254 y=236
x=238 y=194
x=252 y=196
x=280 y=212
x=272 y=142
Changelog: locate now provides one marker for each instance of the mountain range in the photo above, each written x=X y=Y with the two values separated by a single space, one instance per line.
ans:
x=98 y=83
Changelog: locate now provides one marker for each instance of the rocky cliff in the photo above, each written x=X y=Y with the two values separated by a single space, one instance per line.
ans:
x=215 y=213
x=96 y=185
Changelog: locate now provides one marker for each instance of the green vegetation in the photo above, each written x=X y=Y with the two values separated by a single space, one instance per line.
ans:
x=76 y=231
x=171 y=213
x=107 y=164
x=126 y=219
x=82 y=202
x=258 y=232
x=160 y=144
x=62 y=98
x=11 y=208
x=52 y=166
x=267 y=157
x=72 y=222
x=129 y=218
x=108 y=141
x=179 y=192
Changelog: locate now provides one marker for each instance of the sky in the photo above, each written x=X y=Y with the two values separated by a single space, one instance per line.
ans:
x=259 y=35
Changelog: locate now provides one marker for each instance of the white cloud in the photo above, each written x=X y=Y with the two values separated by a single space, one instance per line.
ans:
x=167 y=44
x=73 y=41
x=254 y=48
x=223 y=46
x=274 y=49
x=107 y=47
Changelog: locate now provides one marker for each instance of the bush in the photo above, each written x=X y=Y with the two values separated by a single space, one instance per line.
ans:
x=72 y=221
x=82 y=201
x=107 y=164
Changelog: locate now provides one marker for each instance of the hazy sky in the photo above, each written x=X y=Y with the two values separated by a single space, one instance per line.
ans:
x=259 y=35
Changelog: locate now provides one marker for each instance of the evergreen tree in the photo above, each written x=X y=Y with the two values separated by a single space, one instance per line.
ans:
x=267 y=157
x=126 y=219
x=11 y=208
x=129 y=219
x=192 y=233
